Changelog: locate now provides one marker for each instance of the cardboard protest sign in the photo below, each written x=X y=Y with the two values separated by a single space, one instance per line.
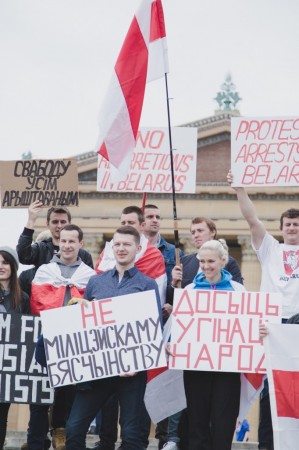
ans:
x=218 y=330
x=22 y=379
x=265 y=151
x=106 y=338
x=150 y=165
x=52 y=181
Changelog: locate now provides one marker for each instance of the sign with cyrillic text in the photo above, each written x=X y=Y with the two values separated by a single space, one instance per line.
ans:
x=54 y=182
x=219 y=330
x=265 y=151
x=22 y=379
x=150 y=169
x=106 y=338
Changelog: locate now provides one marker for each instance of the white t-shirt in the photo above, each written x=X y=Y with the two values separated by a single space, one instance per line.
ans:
x=280 y=272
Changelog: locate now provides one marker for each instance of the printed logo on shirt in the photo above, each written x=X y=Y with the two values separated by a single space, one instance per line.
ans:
x=291 y=261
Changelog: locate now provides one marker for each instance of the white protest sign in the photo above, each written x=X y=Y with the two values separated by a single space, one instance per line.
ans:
x=265 y=151
x=218 y=330
x=150 y=165
x=106 y=338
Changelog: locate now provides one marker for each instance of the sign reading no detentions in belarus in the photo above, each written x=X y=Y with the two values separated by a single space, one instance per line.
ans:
x=52 y=181
x=265 y=151
x=150 y=169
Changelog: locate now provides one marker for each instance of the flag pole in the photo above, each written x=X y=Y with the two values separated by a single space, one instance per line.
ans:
x=143 y=201
x=174 y=210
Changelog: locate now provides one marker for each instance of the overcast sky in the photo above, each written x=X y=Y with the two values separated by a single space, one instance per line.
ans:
x=57 y=57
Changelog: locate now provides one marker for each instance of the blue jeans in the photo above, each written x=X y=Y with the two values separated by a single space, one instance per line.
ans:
x=90 y=397
x=173 y=427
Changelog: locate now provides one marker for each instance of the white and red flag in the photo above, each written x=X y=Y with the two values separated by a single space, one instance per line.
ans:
x=143 y=58
x=164 y=393
x=282 y=358
x=251 y=386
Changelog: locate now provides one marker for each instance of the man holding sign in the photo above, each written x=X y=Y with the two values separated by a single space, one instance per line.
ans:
x=280 y=273
x=54 y=284
x=123 y=279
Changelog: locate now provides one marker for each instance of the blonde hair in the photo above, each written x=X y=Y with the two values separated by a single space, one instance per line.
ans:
x=217 y=245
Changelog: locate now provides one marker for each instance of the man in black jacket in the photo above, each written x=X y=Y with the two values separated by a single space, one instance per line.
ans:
x=42 y=252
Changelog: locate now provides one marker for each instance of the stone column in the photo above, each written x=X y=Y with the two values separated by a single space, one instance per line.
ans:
x=250 y=266
x=188 y=246
x=94 y=243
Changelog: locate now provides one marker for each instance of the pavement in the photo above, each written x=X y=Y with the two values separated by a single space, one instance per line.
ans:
x=14 y=440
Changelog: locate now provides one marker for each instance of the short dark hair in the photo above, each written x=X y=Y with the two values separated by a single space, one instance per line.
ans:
x=151 y=207
x=128 y=229
x=211 y=225
x=292 y=213
x=73 y=227
x=136 y=210
x=58 y=210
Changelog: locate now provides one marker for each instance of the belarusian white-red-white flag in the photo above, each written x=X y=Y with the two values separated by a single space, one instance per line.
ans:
x=164 y=393
x=282 y=358
x=143 y=58
x=251 y=386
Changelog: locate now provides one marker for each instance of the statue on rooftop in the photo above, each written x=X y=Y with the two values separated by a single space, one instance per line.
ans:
x=228 y=97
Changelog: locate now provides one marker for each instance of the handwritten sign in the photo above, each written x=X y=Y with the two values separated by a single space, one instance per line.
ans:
x=22 y=379
x=218 y=330
x=265 y=151
x=150 y=165
x=53 y=182
x=107 y=338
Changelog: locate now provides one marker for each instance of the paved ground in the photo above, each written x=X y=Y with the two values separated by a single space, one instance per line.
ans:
x=16 y=439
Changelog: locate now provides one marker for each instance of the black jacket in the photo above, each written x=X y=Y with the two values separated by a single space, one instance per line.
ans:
x=42 y=252
x=24 y=307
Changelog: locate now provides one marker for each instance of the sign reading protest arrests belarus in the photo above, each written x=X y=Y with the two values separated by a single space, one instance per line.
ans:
x=54 y=182
x=265 y=151
x=22 y=379
x=150 y=165
x=219 y=330
x=107 y=338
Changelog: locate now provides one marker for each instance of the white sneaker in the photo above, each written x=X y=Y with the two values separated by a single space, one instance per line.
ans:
x=170 y=446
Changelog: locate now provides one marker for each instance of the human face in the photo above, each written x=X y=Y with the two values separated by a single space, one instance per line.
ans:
x=211 y=264
x=290 y=231
x=152 y=220
x=56 y=222
x=5 y=272
x=201 y=233
x=130 y=219
x=125 y=249
x=69 y=246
